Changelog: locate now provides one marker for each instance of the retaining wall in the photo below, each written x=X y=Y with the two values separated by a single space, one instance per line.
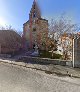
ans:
x=46 y=60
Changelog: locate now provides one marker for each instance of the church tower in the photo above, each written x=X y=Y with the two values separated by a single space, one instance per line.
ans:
x=35 y=30
x=35 y=11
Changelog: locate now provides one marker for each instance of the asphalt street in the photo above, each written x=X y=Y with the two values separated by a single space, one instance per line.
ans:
x=19 y=79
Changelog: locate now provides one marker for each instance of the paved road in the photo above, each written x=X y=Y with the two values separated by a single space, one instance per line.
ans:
x=18 y=79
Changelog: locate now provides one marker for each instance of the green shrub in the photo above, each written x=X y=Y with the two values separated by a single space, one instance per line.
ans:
x=46 y=54
x=56 y=56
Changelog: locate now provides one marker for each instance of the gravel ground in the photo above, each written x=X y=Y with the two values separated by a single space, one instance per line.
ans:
x=20 y=79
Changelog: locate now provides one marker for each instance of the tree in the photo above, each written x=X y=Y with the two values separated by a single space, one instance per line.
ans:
x=62 y=27
x=11 y=28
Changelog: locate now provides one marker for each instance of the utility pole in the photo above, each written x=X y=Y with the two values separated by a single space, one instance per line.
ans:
x=0 y=48
x=74 y=49
x=73 y=52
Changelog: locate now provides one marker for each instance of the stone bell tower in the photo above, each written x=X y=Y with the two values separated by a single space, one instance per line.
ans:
x=35 y=30
x=35 y=11
x=34 y=17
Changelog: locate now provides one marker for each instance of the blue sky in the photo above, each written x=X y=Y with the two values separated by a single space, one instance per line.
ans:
x=16 y=12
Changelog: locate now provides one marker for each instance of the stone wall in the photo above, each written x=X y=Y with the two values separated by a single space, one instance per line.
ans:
x=46 y=61
x=5 y=56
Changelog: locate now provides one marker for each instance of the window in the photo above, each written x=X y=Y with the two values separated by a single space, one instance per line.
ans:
x=34 y=29
x=34 y=15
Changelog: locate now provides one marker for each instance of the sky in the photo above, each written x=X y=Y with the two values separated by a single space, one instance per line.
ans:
x=16 y=12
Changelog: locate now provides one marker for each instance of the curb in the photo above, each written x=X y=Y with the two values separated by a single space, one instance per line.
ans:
x=13 y=62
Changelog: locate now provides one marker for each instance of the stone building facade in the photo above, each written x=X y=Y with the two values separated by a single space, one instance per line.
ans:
x=35 y=30
x=10 y=41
